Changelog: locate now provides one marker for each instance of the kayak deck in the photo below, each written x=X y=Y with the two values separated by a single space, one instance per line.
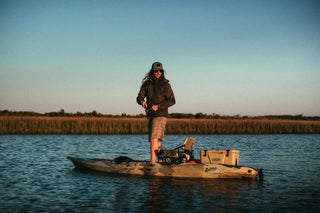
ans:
x=183 y=170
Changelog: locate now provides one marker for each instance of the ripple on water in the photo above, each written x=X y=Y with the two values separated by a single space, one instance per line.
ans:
x=36 y=176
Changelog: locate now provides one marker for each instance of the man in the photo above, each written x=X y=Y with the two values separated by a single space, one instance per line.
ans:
x=159 y=97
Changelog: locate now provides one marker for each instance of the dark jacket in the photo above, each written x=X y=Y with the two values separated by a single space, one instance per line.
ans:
x=157 y=93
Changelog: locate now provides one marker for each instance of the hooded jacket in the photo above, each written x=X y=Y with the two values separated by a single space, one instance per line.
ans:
x=157 y=93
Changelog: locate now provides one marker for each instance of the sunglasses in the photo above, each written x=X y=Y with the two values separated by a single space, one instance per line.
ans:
x=155 y=71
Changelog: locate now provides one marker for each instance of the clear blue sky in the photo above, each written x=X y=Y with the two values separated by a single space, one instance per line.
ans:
x=226 y=57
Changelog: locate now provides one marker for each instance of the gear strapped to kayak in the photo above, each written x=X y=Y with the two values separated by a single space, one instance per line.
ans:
x=177 y=156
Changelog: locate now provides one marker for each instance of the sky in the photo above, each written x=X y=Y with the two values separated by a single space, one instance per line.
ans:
x=228 y=57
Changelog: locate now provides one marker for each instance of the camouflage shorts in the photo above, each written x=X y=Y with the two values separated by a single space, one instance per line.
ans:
x=157 y=126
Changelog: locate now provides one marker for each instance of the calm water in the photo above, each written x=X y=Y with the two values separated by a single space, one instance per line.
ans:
x=35 y=176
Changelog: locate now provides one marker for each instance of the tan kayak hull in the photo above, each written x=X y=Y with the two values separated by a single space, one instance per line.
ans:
x=184 y=170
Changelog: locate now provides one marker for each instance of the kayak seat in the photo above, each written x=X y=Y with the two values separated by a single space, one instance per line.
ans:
x=188 y=147
x=188 y=144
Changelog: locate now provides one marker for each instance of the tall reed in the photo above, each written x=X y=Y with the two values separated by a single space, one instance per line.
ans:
x=242 y=126
x=94 y=125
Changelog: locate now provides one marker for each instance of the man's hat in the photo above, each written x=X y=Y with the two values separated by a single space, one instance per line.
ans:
x=157 y=66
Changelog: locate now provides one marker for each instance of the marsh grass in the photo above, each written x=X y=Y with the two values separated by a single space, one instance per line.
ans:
x=94 y=125
x=242 y=126
x=73 y=125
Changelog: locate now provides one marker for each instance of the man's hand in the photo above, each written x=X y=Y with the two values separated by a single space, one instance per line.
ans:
x=144 y=104
x=155 y=108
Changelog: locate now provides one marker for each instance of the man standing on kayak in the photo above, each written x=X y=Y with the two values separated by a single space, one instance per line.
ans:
x=159 y=97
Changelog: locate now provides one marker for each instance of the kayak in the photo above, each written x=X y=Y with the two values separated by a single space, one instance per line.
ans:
x=181 y=170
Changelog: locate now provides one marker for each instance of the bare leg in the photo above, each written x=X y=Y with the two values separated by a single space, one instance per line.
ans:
x=154 y=150
x=158 y=151
x=159 y=146
x=156 y=146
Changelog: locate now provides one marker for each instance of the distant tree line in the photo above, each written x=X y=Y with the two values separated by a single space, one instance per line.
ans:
x=199 y=115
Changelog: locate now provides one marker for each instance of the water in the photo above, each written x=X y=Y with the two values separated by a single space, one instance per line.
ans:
x=35 y=176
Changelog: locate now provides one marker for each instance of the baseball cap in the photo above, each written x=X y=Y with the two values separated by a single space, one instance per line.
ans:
x=157 y=66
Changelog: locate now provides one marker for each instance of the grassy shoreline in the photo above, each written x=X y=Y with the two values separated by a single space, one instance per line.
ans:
x=105 y=125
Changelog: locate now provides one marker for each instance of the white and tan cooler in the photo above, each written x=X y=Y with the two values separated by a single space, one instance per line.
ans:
x=226 y=157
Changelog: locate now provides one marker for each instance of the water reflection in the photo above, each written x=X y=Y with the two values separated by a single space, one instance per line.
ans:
x=132 y=193
x=193 y=193
x=155 y=203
